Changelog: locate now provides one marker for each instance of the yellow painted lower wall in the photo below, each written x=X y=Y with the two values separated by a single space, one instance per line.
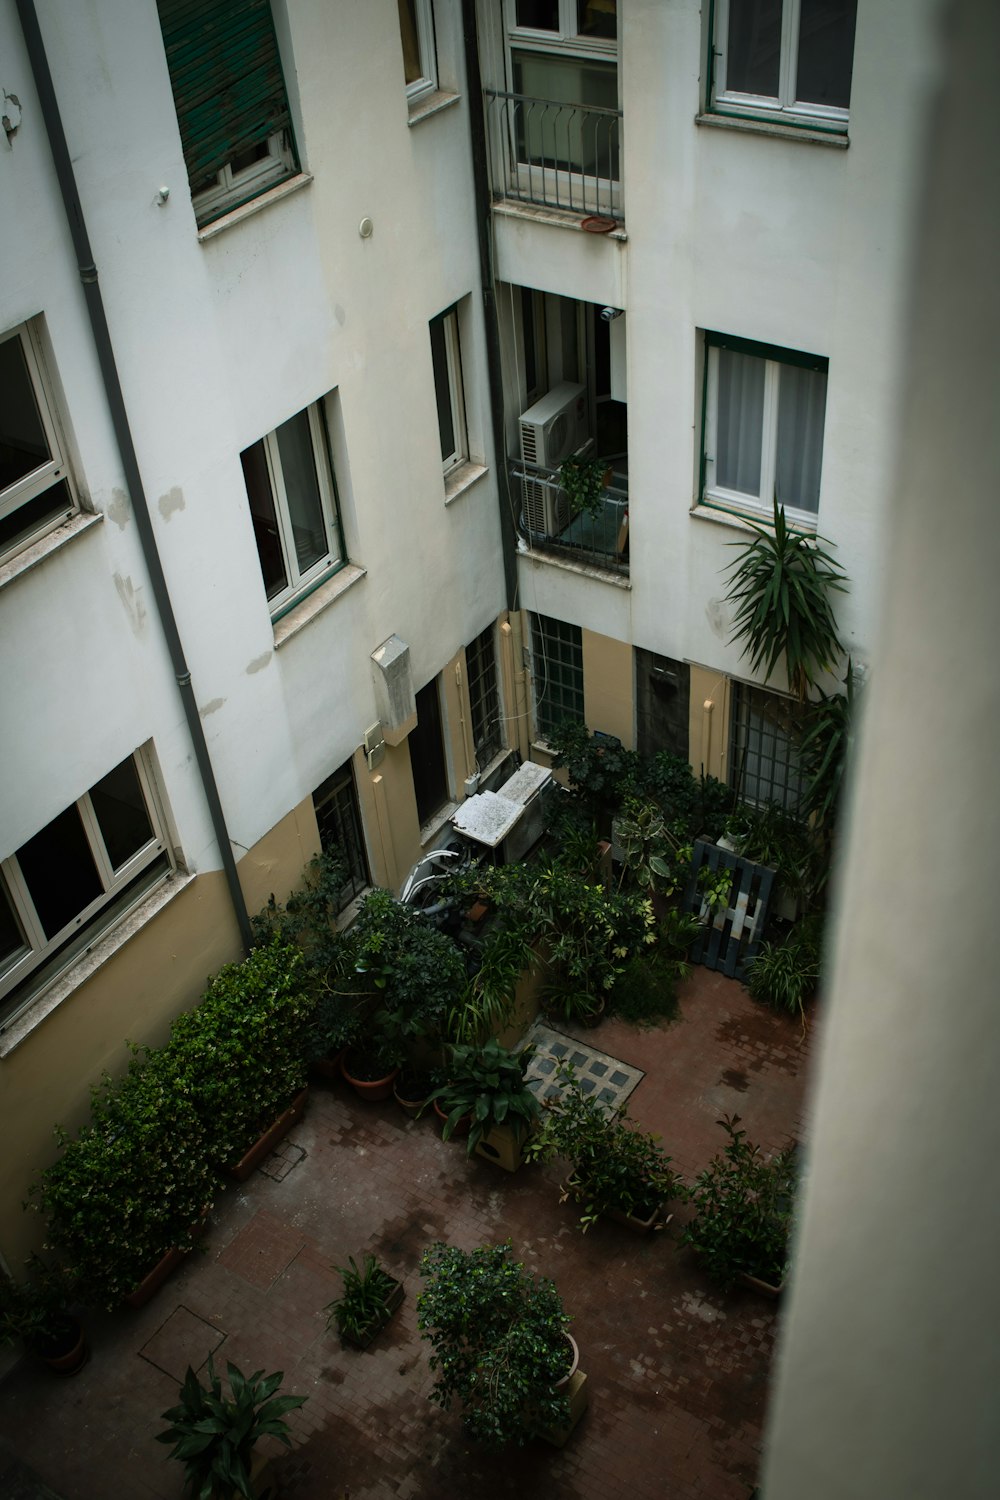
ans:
x=708 y=737
x=608 y=699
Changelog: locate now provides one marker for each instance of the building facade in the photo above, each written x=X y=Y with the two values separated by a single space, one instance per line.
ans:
x=367 y=274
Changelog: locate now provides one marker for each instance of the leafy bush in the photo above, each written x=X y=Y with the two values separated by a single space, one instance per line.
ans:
x=214 y=1438
x=361 y=1310
x=786 y=974
x=743 y=1203
x=487 y=1085
x=131 y=1184
x=616 y=1165
x=237 y=1058
x=602 y=772
x=645 y=993
x=309 y=917
x=498 y=1337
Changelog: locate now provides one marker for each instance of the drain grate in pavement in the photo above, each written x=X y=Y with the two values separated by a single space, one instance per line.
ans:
x=282 y=1160
x=608 y=1079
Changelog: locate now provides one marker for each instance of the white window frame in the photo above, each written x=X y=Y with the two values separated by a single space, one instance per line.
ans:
x=37 y=949
x=427 y=83
x=48 y=474
x=449 y=321
x=231 y=189
x=784 y=106
x=762 y=505
x=301 y=581
x=566 y=39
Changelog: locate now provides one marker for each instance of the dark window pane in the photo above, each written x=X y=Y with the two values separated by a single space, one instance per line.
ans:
x=265 y=521
x=11 y=938
x=411 y=40
x=430 y=783
x=305 y=506
x=753 y=47
x=442 y=385
x=539 y=15
x=121 y=812
x=23 y=445
x=557 y=668
x=339 y=822
x=826 y=52
x=597 y=18
x=763 y=755
x=59 y=870
x=481 y=666
x=53 y=504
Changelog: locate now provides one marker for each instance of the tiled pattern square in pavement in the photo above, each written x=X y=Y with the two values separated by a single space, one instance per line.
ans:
x=183 y=1340
x=608 y=1079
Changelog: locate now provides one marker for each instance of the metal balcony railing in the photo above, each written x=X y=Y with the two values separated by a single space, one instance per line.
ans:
x=545 y=522
x=556 y=155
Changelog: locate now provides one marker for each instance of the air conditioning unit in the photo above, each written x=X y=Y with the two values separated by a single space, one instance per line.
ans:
x=544 y=508
x=555 y=426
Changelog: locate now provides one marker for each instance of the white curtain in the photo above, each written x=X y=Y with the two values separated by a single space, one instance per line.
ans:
x=801 y=413
x=740 y=418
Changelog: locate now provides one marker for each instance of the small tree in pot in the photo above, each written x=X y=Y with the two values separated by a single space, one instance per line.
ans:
x=499 y=1339
x=743 y=1218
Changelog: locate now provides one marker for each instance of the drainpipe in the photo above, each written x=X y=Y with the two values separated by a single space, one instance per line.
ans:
x=113 y=391
x=483 y=211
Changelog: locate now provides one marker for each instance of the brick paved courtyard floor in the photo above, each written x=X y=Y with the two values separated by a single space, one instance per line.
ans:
x=678 y=1372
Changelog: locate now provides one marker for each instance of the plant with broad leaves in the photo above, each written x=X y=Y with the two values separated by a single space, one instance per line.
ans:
x=715 y=887
x=498 y=1336
x=583 y=480
x=654 y=854
x=214 y=1438
x=486 y=1085
x=781 y=585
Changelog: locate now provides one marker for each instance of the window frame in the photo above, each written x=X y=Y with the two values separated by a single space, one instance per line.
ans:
x=482 y=678
x=567 y=39
x=736 y=502
x=787 y=787
x=782 y=108
x=101 y=913
x=54 y=471
x=449 y=321
x=302 y=583
x=327 y=809
x=427 y=83
x=551 y=639
x=232 y=189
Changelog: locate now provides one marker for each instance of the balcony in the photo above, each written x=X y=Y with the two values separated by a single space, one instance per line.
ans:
x=599 y=541
x=555 y=155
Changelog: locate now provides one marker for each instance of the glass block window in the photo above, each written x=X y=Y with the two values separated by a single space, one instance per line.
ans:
x=557 y=652
x=484 y=698
x=339 y=818
x=763 y=752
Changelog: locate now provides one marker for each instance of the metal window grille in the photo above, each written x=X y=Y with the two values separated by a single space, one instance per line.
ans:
x=557 y=650
x=763 y=754
x=484 y=697
x=340 y=831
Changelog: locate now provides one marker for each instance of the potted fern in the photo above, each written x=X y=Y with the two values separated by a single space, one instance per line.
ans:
x=214 y=1437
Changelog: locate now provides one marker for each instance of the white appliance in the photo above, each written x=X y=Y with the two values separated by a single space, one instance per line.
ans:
x=551 y=430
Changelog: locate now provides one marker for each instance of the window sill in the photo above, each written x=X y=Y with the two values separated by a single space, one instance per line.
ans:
x=839 y=140
x=247 y=210
x=585 y=570
x=53 y=541
x=461 y=478
x=431 y=104
x=315 y=603
x=86 y=966
x=747 y=524
x=513 y=208
x=430 y=830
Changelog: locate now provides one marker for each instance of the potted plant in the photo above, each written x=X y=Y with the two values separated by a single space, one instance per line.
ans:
x=411 y=1090
x=369 y=1299
x=785 y=975
x=36 y=1314
x=584 y=481
x=715 y=887
x=617 y=1169
x=214 y=1437
x=486 y=1085
x=743 y=1213
x=499 y=1340
x=655 y=855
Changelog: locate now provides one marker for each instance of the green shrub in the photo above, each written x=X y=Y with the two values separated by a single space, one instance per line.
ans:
x=786 y=974
x=238 y=1057
x=130 y=1185
x=743 y=1210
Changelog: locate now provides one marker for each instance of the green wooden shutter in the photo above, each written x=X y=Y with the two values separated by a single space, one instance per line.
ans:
x=226 y=76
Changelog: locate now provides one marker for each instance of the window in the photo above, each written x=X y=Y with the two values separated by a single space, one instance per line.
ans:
x=763 y=749
x=765 y=410
x=416 y=29
x=447 y=359
x=229 y=93
x=77 y=875
x=427 y=762
x=339 y=820
x=790 y=59
x=484 y=698
x=35 y=493
x=293 y=504
x=557 y=652
x=562 y=60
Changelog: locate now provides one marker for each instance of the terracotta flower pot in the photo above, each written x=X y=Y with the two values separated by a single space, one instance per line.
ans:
x=372 y=1089
x=265 y=1143
x=67 y=1355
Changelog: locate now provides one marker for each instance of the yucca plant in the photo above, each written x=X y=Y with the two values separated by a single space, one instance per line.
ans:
x=781 y=585
x=213 y=1438
x=824 y=749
